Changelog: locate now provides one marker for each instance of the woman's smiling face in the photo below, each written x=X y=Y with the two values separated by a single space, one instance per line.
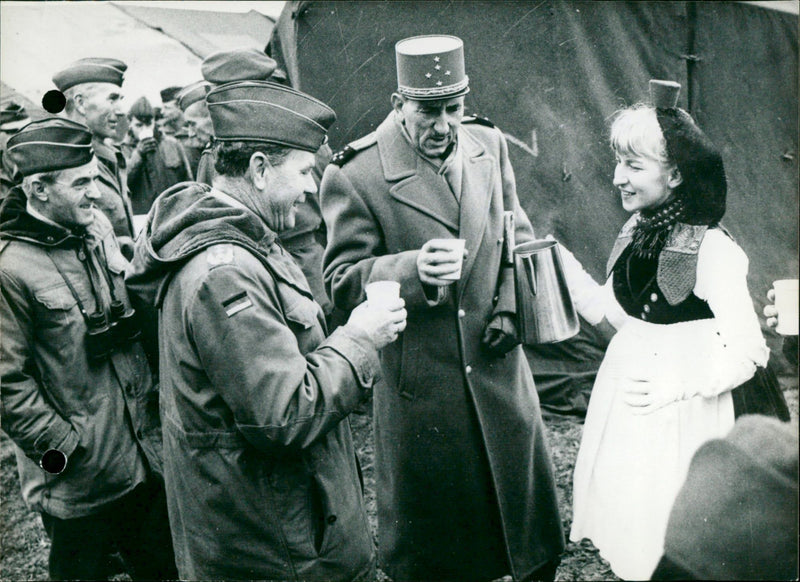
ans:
x=643 y=182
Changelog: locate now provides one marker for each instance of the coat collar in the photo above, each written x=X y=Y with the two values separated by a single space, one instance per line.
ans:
x=18 y=224
x=416 y=183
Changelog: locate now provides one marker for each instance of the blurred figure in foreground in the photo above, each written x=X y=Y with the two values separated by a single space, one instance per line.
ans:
x=736 y=516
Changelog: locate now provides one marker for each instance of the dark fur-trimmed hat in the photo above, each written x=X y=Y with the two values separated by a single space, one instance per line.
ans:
x=704 y=188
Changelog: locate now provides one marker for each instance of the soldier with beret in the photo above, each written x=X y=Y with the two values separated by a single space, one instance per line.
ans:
x=465 y=484
x=261 y=475
x=92 y=87
x=78 y=398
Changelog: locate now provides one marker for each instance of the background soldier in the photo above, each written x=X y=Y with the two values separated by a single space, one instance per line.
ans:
x=92 y=89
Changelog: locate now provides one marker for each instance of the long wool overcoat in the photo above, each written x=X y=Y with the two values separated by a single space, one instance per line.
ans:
x=465 y=484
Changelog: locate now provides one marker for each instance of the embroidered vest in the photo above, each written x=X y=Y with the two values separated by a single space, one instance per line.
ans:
x=659 y=290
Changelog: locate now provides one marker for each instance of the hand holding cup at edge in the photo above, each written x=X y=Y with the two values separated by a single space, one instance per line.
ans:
x=783 y=313
x=382 y=316
x=440 y=260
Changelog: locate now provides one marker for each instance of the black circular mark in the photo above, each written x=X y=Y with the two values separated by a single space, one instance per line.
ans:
x=53 y=461
x=54 y=101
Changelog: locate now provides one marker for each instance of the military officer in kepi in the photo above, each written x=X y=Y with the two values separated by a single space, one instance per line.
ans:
x=465 y=484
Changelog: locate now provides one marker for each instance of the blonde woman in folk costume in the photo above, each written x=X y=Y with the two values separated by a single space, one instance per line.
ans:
x=687 y=333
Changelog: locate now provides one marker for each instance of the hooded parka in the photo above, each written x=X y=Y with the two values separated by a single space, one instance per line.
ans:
x=261 y=474
x=465 y=485
x=102 y=416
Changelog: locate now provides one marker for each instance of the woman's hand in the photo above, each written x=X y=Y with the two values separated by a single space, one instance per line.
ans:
x=645 y=396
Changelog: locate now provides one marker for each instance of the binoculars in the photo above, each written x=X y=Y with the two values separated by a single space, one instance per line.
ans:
x=107 y=333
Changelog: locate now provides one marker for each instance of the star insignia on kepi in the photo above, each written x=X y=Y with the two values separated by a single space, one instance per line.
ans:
x=437 y=67
x=447 y=72
x=435 y=59
x=428 y=75
x=439 y=83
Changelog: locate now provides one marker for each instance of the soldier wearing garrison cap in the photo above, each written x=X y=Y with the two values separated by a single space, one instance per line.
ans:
x=464 y=479
x=171 y=121
x=228 y=66
x=262 y=479
x=92 y=87
x=78 y=398
x=305 y=241
x=12 y=118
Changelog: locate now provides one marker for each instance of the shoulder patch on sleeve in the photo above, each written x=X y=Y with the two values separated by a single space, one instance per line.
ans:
x=219 y=255
x=236 y=303
x=479 y=119
x=344 y=155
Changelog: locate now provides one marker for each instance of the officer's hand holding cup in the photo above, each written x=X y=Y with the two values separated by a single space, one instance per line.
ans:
x=382 y=316
x=439 y=261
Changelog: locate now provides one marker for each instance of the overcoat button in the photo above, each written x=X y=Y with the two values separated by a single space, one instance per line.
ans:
x=654 y=297
x=646 y=308
x=331 y=519
x=644 y=316
x=461 y=313
x=468 y=369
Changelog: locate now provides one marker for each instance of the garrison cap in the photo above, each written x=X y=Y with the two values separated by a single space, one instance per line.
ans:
x=431 y=67
x=193 y=93
x=169 y=93
x=242 y=64
x=269 y=112
x=91 y=70
x=13 y=117
x=50 y=144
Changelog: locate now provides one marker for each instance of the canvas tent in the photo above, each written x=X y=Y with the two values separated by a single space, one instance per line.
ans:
x=549 y=74
x=161 y=46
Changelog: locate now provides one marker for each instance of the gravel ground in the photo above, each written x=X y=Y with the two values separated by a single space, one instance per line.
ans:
x=24 y=545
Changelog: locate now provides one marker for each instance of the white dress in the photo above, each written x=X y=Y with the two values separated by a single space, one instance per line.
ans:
x=630 y=467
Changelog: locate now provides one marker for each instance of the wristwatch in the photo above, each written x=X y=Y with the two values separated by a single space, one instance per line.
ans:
x=53 y=461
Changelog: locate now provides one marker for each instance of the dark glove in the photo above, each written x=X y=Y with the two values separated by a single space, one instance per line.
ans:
x=500 y=335
x=147 y=145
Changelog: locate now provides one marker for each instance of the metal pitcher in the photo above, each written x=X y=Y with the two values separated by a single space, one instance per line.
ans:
x=545 y=312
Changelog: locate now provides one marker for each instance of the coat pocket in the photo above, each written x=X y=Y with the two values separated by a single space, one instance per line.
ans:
x=58 y=320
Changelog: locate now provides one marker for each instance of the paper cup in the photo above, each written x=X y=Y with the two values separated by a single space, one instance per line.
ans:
x=457 y=246
x=786 y=299
x=382 y=293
